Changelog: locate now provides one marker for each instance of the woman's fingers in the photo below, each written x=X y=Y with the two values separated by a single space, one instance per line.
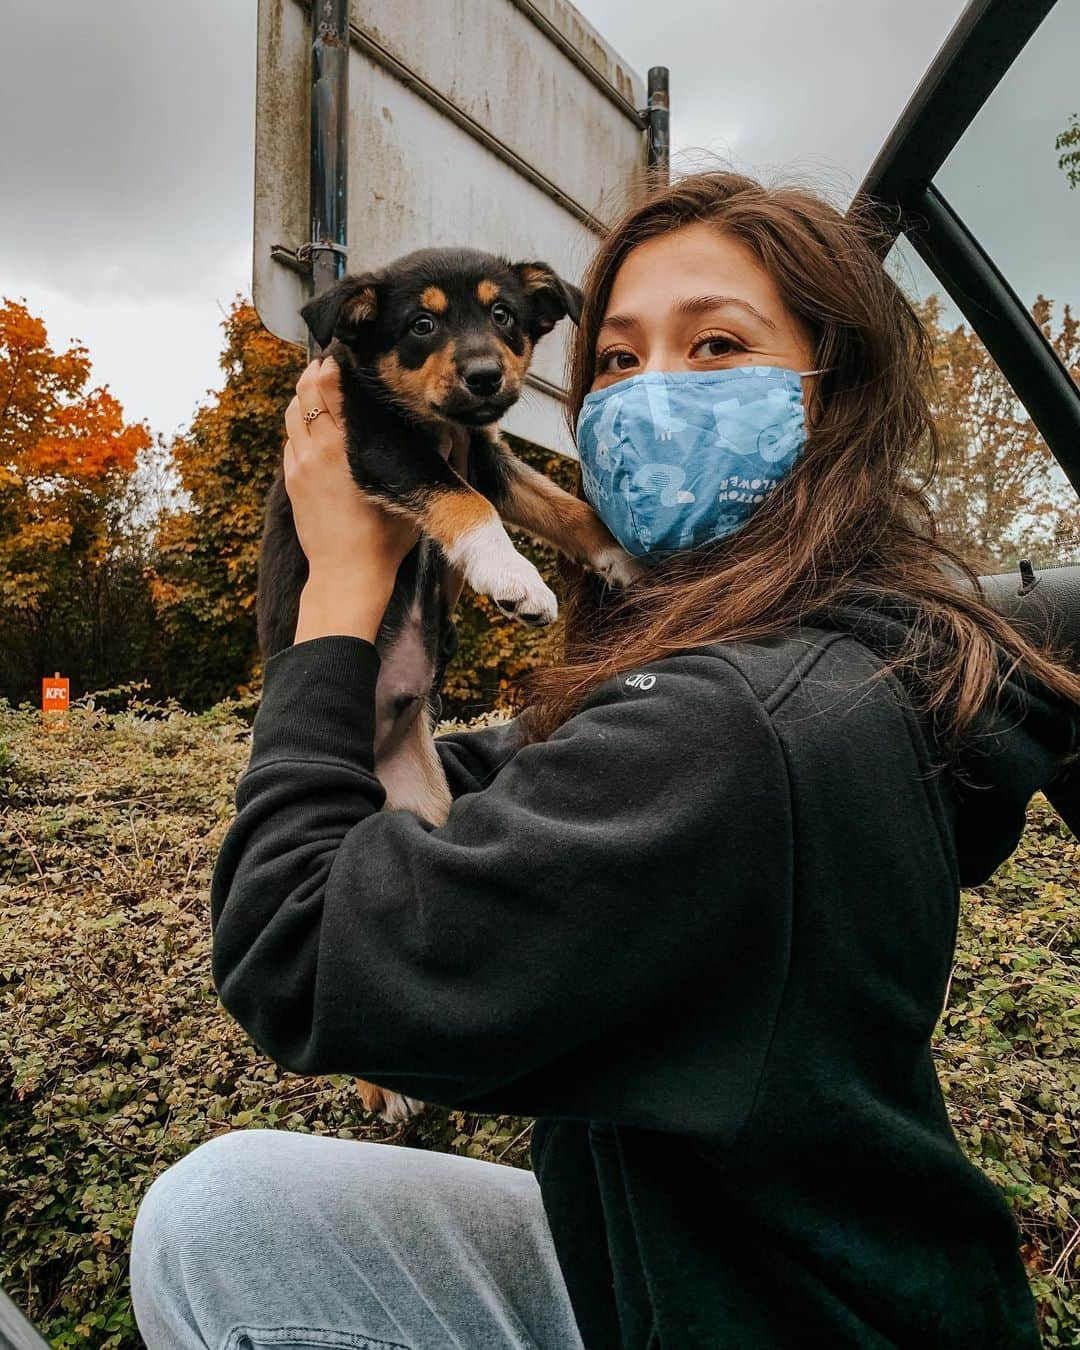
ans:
x=307 y=385
x=293 y=464
x=312 y=442
x=299 y=431
x=328 y=385
x=320 y=387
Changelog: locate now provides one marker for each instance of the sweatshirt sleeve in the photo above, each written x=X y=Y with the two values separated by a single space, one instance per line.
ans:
x=471 y=759
x=641 y=855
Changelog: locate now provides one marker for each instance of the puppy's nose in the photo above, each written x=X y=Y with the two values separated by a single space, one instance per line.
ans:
x=483 y=377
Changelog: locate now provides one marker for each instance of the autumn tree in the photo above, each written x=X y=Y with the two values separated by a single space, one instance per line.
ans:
x=1068 y=142
x=66 y=456
x=998 y=494
x=204 y=577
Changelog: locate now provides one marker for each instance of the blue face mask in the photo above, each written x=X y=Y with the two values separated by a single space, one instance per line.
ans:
x=673 y=459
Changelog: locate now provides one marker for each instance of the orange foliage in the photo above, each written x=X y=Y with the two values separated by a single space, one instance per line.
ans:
x=998 y=494
x=204 y=576
x=65 y=454
x=50 y=424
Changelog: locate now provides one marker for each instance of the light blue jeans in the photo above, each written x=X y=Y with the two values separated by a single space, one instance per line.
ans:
x=267 y=1238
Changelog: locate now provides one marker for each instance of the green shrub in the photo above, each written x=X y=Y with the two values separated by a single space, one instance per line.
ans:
x=1008 y=1054
x=116 y=1060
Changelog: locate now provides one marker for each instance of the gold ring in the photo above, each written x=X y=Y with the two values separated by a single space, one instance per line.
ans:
x=311 y=416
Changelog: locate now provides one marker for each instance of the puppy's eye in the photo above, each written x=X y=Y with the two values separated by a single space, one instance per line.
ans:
x=422 y=325
x=501 y=314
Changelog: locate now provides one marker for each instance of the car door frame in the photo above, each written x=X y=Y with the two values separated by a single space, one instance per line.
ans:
x=900 y=194
x=899 y=197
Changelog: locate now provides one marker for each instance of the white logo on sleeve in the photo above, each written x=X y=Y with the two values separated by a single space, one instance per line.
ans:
x=640 y=681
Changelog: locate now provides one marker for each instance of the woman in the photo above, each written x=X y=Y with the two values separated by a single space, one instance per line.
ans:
x=694 y=909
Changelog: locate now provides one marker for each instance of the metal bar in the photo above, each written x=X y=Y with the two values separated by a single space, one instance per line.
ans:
x=16 y=1333
x=545 y=386
x=329 y=143
x=286 y=256
x=658 y=155
x=419 y=86
x=983 y=43
x=1000 y=318
x=596 y=77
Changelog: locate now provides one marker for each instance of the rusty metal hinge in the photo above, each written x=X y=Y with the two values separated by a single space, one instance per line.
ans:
x=299 y=259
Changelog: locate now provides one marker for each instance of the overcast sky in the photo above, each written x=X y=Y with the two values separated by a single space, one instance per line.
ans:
x=126 y=151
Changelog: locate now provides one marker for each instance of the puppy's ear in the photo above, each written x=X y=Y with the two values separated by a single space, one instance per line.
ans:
x=352 y=302
x=552 y=298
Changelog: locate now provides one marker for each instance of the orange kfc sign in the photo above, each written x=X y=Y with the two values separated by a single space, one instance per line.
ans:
x=55 y=700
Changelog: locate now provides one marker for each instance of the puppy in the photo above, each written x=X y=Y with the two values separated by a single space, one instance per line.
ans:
x=433 y=350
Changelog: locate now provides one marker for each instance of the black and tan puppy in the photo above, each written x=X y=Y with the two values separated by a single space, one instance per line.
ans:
x=433 y=349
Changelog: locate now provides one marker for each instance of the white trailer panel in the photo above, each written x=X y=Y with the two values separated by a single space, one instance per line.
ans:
x=506 y=125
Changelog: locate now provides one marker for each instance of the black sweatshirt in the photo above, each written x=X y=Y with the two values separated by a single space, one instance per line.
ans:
x=703 y=934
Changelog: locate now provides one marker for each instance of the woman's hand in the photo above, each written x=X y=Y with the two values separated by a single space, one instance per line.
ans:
x=340 y=528
x=354 y=545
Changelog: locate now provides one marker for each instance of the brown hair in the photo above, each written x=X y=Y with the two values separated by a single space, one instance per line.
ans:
x=848 y=525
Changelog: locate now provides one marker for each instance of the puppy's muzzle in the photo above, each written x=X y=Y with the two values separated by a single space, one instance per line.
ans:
x=481 y=394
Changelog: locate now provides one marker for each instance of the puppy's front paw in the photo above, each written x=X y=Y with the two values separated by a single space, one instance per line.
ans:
x=492 y=565
x=522 y=594
x=397 y=1108
x=389 y=1106
x=616 y=566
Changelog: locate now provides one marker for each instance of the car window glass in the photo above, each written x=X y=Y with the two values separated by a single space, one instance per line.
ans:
x=1014 y=178
x=999 y=494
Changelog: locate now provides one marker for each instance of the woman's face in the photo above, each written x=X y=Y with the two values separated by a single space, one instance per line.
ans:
x=696 y=299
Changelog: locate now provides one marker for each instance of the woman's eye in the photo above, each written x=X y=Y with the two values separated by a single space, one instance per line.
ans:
x=619 y=360
x=501 y=315
x=422 y=325
x=714 y=346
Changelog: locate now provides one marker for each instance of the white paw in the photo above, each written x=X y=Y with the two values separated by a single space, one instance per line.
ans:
x=397 y=1108
x=617 y=567
x=520 y=593
x=492 y=566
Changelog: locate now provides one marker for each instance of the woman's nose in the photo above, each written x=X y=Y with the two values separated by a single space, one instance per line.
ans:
x=662 y=356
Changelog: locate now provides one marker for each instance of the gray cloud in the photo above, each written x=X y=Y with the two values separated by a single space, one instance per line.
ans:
x=126 y=153
x=127 y=144
x=781 y=87
x=812 y=91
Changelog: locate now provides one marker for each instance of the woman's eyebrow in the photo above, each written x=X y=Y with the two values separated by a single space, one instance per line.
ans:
x=698 y=304
x=623 y=322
